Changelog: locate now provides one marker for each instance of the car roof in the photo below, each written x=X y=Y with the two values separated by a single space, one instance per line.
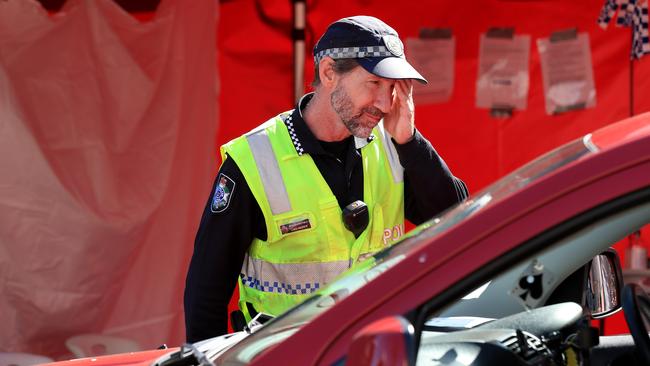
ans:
x=636 y=127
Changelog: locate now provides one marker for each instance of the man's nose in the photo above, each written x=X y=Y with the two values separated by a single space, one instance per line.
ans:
x=383 y=101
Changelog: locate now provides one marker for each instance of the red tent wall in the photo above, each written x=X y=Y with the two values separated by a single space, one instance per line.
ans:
x=255 y=55
x=256 y=74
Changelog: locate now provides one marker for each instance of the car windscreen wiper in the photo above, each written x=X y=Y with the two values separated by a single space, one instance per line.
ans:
x=188 y=355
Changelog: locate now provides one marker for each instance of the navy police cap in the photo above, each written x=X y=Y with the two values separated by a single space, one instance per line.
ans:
x=374 y=44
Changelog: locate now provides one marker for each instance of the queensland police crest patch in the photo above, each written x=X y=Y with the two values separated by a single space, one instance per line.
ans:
x=222 y=193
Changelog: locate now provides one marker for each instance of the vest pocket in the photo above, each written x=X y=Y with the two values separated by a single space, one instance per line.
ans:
x=377 y=235
x=373 y=239
x=338 y=238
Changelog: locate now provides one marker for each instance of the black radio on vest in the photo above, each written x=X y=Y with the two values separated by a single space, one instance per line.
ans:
x=355 y=217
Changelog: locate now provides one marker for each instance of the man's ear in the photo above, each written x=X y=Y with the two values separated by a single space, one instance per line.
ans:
x=326 y=72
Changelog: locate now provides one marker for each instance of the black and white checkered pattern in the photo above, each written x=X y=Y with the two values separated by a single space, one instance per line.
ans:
x=280 y=287
x=292 y=133
x=353 y=52
x=625 y=15
x=641 y=41
x=607 y=12
x=631 y=13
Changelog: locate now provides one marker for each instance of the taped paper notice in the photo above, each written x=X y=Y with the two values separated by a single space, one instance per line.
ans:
x=503 y=72
x=567 y=73
x=434 y=59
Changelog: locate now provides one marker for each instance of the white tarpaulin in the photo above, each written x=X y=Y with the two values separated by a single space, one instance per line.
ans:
x=107 y=130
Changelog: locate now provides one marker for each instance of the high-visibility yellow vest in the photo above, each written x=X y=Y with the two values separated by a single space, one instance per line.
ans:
x=307 y=244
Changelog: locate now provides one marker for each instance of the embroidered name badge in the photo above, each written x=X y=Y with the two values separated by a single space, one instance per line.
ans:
x=292 y=227
x=222 y=193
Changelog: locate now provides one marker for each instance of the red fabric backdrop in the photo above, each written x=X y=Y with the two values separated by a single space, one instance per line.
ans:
x=256 y=74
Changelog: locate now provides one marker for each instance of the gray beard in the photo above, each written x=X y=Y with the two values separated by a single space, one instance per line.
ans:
x=342 y=105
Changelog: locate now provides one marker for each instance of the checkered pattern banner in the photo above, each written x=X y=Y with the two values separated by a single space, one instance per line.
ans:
x=631 y=13
x=353 y=52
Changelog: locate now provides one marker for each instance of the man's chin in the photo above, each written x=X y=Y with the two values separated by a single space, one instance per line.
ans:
x=362 y=133
x=360 y=129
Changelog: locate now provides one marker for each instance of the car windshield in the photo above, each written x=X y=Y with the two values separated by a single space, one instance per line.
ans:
x=288 y=323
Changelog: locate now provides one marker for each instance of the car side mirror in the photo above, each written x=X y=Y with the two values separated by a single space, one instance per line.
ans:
x=604 y=284
x=387 y=341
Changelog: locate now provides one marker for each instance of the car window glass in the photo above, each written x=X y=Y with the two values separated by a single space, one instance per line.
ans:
x=560 y=260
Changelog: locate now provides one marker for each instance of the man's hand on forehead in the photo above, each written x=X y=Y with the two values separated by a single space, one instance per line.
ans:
x=400 y=121
x=403 y=92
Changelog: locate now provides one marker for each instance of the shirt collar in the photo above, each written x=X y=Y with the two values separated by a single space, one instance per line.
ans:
x=303 y=139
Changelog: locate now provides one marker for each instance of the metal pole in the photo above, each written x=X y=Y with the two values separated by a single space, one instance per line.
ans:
x=299 y=20
x=631 y=87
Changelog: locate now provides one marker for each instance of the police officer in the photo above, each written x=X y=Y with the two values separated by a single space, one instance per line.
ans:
x=315 y=190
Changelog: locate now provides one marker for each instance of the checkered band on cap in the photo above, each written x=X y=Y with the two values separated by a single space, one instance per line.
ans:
x=353 y=52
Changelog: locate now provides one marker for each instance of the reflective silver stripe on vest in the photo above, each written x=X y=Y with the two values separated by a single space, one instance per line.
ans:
x=267 y=166
x=290 y=279
x=391 y=153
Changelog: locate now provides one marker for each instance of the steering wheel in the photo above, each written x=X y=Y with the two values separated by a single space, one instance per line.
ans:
x=636 y=308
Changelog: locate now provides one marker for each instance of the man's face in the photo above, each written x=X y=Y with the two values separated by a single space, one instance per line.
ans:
x=361 y=100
